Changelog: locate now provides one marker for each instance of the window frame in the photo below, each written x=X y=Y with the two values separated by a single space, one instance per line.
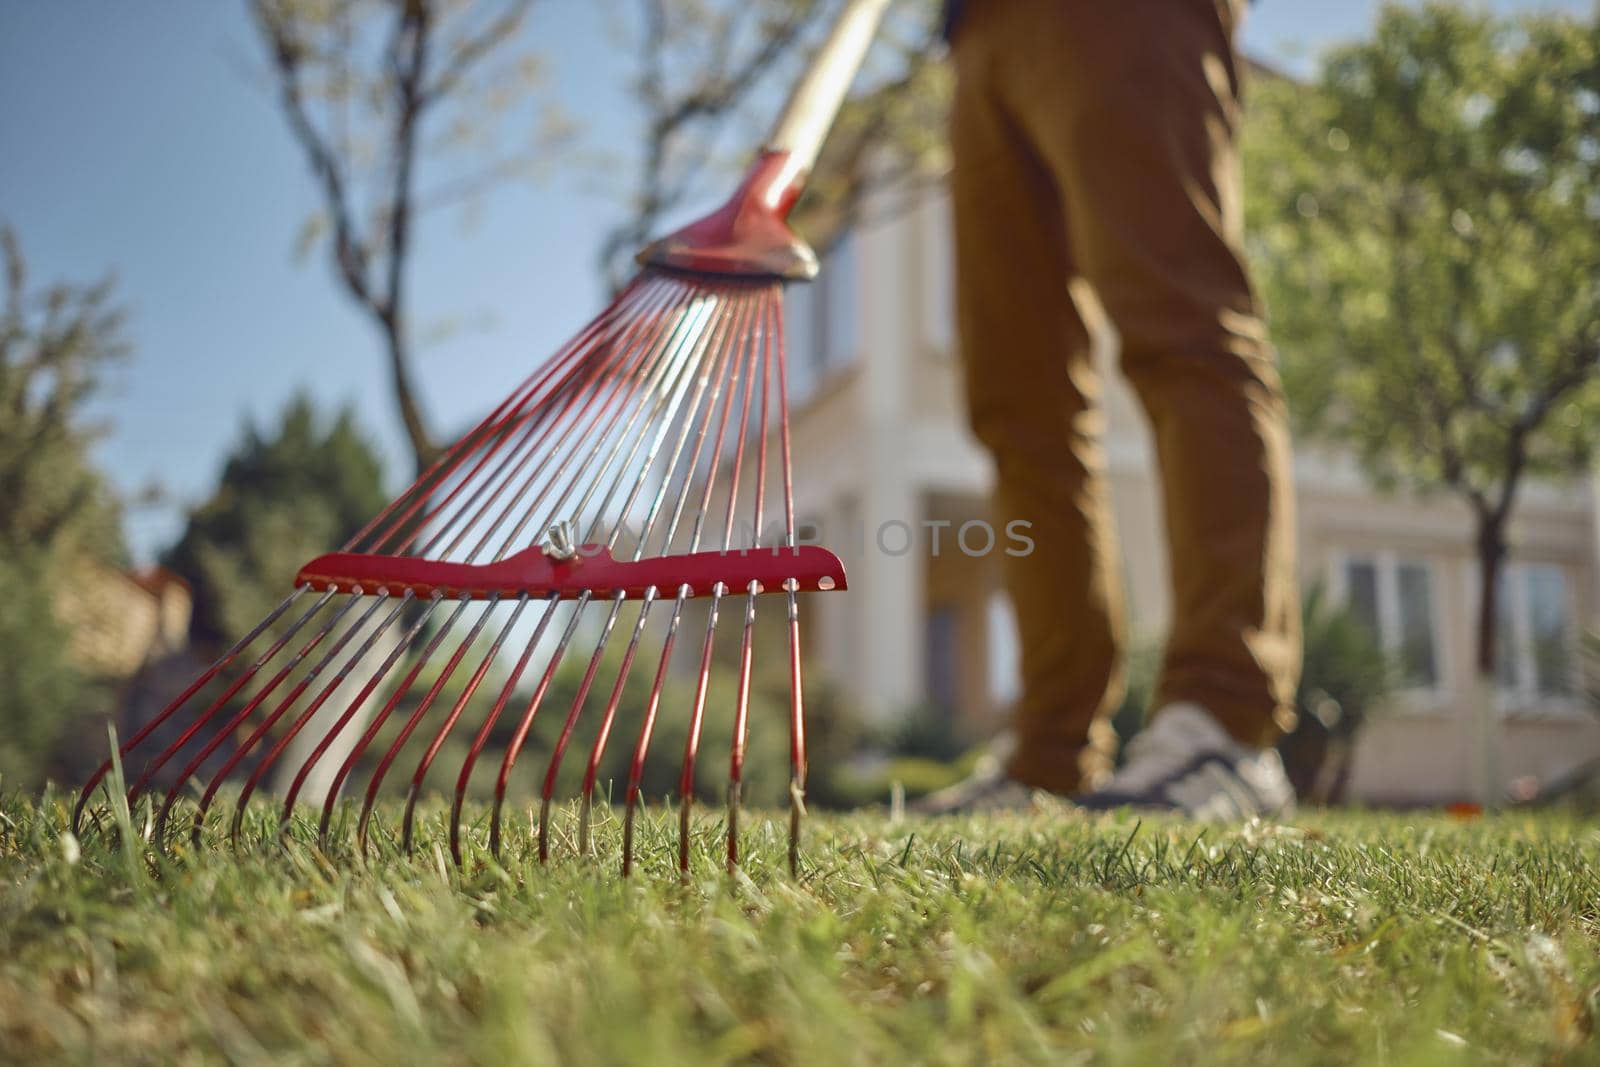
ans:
x=838 y=296
x=1427 y=697
x=1524 y=700
x=1002 y=653
x=935 y=253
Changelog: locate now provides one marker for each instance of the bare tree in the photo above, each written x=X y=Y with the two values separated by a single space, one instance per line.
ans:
x=371 y=87
x=708 y=67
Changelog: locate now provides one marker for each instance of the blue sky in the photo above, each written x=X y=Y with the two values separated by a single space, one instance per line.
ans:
x=140 y=138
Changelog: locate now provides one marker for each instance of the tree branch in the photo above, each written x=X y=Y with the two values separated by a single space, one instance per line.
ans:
x=372 y=206
x=473 y=49
x=351 y=254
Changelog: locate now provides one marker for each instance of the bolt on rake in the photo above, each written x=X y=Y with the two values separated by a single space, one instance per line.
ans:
x=629 y=481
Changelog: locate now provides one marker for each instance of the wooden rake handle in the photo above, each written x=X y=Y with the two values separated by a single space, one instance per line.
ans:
x=816 y=99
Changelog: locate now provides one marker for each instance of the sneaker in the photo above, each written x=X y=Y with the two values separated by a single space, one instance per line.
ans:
x=986 y=789
x=1184 y=761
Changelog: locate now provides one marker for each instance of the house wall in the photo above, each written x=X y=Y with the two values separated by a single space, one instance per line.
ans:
x=117 y=622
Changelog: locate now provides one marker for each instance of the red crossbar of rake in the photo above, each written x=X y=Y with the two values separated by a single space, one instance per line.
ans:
x=644 y=427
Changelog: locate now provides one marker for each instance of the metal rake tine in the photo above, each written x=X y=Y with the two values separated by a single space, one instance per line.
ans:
x=687 y=781
x=526 y=722
x=701 y=425
x=738 y=371
x=797 y=736
x=326 y=741
x=682 y=349
x=697 y=715
x=177 y=702
x=428 y=482
x=450 y=720
x=608 y=718
x=741 y=718
x=714 y=373
x=339 y=678
x=797 y=723
x=572 y=720
x=773 y=324
x=360 y=747
x=709 y=482
x=737 y=469
x=742 y=703
x=243 y=714
x=635 y=356
x=432 y=695
x=154 y=764
x=646 y=319
x=696 y=718
x=712 y=341
x=464 y=776
x=742 y=711
x=644 y=360
x=690 y=421
x=529 y=393
x=284 y=704
x=646 y=728
x=773 y=314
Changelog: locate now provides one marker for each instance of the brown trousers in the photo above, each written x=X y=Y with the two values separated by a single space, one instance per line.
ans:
x=1095 y=140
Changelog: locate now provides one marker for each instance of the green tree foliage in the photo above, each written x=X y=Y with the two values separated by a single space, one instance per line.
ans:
x=56 y=343
x=1426 y=225
x=40 y=691
x=1344 y=680
x=285 y=496
x=55 y=347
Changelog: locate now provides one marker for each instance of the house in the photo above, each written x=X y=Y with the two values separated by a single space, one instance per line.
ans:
x=884 y=467
x=126 y=630
x=120 y=621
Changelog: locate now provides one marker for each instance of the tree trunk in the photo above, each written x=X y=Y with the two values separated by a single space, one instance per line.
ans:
x=1487 y=787
x=423 y=449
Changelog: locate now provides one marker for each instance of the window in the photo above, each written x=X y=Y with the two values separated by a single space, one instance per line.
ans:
x=839 y=293
x=1534 y=645
x=943 y=648
x=1361 y=593
x=1004 y=653
x=938 y=279
x=1394 y=597
x=821 y=321
x=800 y=339
x=1414 y=583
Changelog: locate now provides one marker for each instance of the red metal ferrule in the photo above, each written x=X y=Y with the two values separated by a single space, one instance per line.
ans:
x=747 y=237
x=593 y=571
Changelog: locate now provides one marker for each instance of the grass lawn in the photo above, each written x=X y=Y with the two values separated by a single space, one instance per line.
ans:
x=1051 y=938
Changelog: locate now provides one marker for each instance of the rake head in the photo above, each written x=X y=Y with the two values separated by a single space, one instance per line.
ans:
x=639 y=479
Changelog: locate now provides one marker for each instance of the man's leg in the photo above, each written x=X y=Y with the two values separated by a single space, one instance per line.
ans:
x=1031 y=391
x=1134 y=106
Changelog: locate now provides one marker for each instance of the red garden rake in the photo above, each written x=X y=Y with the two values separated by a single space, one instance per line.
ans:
x=633 y=469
